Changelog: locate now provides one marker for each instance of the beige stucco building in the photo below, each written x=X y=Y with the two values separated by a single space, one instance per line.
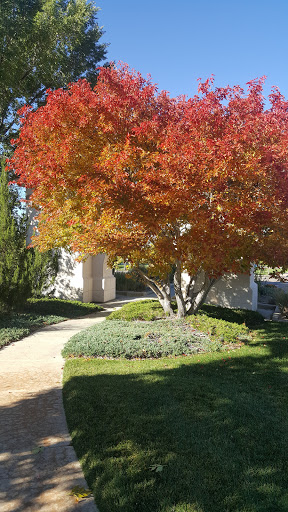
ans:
x=235 y=291
x=88 y=281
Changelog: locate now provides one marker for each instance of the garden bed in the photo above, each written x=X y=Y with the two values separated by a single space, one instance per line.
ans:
x=38 y=313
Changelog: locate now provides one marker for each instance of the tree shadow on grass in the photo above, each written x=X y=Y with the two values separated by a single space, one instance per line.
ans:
x=219 y=430
x=276 y=338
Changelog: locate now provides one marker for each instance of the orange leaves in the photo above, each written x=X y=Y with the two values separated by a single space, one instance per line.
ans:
x=124 y=169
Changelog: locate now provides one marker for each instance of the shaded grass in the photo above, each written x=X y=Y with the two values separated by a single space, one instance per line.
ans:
x=38 y=313
x=217 y=424
x=60 y=307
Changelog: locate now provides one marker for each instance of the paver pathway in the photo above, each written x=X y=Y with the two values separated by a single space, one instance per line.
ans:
x=38 y=466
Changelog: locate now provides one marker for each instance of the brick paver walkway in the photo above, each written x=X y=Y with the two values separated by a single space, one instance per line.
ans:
x=38 y=465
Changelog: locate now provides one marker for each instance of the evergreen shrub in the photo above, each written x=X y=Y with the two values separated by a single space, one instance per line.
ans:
x=23 y=272
x=14 y=282
x=226 y=332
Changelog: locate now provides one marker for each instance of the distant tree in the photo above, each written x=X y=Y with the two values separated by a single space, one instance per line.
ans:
x=198 y=185
x=44 y=44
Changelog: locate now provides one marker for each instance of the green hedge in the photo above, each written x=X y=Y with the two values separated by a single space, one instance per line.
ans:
x=128 y=281
x=226 y=332
x=237 y=315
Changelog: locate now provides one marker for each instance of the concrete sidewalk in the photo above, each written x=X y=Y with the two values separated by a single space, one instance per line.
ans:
x=38 y=465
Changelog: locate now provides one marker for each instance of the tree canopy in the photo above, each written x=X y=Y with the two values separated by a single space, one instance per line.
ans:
x=195 y=184
x=44 y=44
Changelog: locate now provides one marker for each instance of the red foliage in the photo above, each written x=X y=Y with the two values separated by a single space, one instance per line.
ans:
x=129 y=171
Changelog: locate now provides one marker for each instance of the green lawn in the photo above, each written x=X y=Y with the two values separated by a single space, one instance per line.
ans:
x=38 y=313
x=203 y=433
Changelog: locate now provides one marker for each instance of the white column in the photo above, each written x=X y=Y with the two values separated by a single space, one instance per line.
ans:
x=87 y=280
x=99 y=282
x=254 y=289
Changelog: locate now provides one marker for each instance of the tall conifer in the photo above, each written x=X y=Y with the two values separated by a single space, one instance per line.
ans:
x=14 y=285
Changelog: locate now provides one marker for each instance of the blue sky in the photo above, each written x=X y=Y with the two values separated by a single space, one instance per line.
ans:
x=177 y=42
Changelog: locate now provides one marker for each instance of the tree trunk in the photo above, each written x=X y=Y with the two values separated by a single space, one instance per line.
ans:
x=197 y=296
x=162 y=290
x=190 y=294
x=181 y=305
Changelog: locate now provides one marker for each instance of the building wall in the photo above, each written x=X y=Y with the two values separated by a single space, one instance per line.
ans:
x=88 y=281
x=92 y=281
x=69 y=281
x=235 y=291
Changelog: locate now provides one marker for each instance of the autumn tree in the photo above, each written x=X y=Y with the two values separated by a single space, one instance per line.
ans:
x=197 y=185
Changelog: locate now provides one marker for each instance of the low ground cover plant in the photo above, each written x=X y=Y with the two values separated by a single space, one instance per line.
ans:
x=123 y=339
x=140 y=330
x=221 y=330
x=37 y=313
x=18 y=325
x=236 y=315
x=150 y=309
x=65 y=308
